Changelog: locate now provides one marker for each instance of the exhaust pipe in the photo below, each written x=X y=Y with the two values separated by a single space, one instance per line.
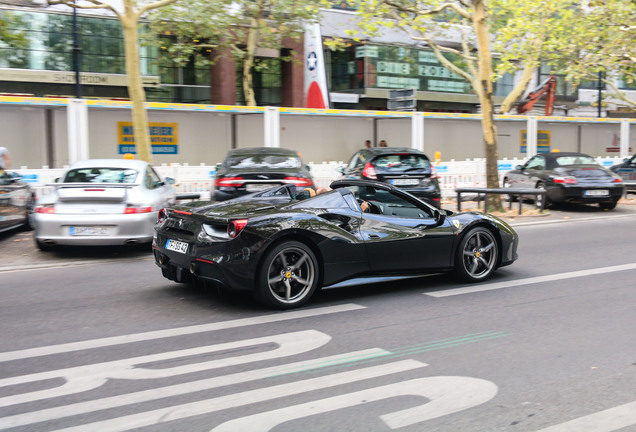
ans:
x=193 y=268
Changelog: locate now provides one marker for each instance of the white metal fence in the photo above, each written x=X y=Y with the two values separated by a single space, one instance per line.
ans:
x=198 y=178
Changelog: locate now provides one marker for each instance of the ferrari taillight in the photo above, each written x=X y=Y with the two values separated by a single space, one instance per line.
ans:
x=299 y=181
x=235 y=227
x=369 y=172
x=229 y=181
x=617 y=180
x=45 y=209
x=162 y=215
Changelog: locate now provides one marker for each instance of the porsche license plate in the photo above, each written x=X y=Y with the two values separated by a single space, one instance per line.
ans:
x=177 y=246
x=596 y=192
x=90 y=230
x=405 y=182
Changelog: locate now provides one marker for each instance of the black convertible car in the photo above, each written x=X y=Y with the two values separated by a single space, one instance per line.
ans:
x=282 y=244
x=568 y=177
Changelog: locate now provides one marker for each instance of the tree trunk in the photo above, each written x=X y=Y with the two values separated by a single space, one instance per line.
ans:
x=248 y=63
x=489 y=129
x=136 y=93
x=250 y=52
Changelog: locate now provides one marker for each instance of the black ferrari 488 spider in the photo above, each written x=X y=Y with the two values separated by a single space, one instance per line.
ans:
x=284 y=243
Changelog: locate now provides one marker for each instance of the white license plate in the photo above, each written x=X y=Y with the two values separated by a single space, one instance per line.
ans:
x=258 y=187
x=177 y=246
x=596 y=192
x=405 y=182
x=91 y=230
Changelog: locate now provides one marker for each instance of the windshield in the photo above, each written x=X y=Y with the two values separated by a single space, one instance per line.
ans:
x=575 y=160
x=263 y=161
x=401 y=162
x=101 y=175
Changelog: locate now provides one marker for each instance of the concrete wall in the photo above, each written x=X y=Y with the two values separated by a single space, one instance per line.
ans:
x=205 y=136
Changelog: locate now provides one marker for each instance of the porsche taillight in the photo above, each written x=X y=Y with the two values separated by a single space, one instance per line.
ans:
x=137 y=210
x=564 y=180
x=369 y=172
x=229 y=182
x=45 y=209
x=235 y=227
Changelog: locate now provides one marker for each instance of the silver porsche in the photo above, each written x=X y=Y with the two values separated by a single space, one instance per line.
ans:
x=102 y=202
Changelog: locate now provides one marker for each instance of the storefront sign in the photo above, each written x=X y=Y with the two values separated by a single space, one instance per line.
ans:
x=163 y=138
x=65 y=77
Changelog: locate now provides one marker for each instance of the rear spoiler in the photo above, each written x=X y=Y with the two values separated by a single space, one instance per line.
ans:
x=92 y=185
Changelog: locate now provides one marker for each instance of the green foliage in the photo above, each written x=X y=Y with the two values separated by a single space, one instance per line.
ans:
x=13 y=36
x=200 y=29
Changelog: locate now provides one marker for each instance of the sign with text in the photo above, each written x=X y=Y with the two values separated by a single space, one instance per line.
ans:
x=164 y=138
x=543 y=141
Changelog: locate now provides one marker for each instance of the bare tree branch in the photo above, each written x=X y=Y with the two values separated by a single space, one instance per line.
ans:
x=463 y=12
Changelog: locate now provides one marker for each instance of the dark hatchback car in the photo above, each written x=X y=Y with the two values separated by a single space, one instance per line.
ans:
x=406 y=168
x=568 y=177
x=17 y=200
x=249 y=170
x=627 y=171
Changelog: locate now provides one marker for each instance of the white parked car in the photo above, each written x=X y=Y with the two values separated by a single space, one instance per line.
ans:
x=102 y=202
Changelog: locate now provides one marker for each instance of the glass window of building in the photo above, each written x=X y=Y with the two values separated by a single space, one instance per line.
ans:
x=266 y=82
x=392 y=67
x=49 y=44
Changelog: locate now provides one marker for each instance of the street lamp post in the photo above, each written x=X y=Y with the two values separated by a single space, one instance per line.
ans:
x=76 y=55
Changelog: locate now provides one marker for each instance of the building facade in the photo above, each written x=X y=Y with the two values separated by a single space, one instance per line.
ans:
x=39 y=61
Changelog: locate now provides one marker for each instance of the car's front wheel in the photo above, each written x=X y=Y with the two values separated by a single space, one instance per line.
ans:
x=288 y=275
x=477 y=255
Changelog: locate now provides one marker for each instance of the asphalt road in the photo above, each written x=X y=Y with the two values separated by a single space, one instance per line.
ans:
x=99 y=341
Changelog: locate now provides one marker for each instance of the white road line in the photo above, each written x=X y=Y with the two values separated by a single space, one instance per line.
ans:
x=179 y=331
x=528 y=281
x=558 y=221
x=86 y=407
x=245 y=398
x=608 y=420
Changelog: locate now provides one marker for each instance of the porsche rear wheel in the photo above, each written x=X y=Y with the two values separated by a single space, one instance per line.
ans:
x=477 y=255
x=288 y=276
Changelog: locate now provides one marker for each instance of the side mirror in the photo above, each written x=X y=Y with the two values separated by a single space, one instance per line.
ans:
x=340 y=170
x=519 y=167
x=170 y=180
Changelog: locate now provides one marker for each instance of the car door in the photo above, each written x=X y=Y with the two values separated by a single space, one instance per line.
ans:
x=13 y=201
x=354 y=168
x=164 y=191
x=405 y=236
x=532 y=172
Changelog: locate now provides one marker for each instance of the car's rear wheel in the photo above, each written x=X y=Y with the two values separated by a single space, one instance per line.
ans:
x=608 y=205
x=44 y=247
x=477 y=255
x=288 y=275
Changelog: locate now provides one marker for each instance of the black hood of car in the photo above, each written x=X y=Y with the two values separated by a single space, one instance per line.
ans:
x=261 y=173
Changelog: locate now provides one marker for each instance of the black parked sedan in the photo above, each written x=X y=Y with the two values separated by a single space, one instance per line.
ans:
x=406 y=168
x=568 y=177
x=249 y=170
x=17 y=200
x=627 y=171
x=283 y=244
